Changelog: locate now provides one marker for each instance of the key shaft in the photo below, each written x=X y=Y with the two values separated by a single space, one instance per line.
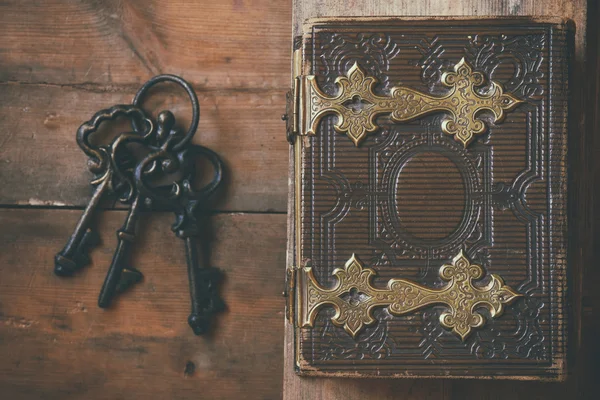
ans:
x=104 y=164
x=126 y=236
x=204 y=294
x=74 y=255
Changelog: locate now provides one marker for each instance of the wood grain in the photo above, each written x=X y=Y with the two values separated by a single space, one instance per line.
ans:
x=63 y=60
x=85 y=54
x=56 y=343
x=60 y=62
x=579 y=384
x=37 y=143
x=214 y=44
x=576 y=10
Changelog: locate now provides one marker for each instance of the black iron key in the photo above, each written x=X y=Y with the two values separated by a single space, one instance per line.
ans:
x=167 y=156
x=204 y=288
x=126 y=236
x=108 y=168
x=161 y=158
x=184 y=200
x=203 y=280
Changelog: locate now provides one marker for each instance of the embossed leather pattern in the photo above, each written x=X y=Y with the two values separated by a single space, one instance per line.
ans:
x=409 y=198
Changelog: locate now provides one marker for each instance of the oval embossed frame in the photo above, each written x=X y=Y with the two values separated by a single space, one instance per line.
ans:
x=471 y=185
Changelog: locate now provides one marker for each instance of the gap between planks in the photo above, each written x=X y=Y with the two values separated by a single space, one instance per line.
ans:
x=134 y=87
x=60 y=207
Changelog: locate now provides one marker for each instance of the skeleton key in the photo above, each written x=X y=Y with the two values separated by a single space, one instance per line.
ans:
x=118 y=277
x=165 y=145
x=125 y=235
x=204 y=286
x=106 y=166
x=203 y=281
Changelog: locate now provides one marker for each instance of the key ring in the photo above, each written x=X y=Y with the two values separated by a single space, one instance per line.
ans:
x=187 y=167
x=193 y=98
x=166 y=156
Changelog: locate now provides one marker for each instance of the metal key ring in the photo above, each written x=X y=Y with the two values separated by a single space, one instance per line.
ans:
x=193 y=98
x=217 y=164
x=187 y=165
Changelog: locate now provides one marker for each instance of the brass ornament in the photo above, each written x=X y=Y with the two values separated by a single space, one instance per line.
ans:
x=354 y=297
x=463 y=102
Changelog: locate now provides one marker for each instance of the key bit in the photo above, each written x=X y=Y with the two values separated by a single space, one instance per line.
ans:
x=126 y=236
x=64 y=266
x=129 y=277
x=108 y=164
x=206 y=301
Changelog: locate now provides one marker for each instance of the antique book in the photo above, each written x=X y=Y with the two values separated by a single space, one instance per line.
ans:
x=429 y=201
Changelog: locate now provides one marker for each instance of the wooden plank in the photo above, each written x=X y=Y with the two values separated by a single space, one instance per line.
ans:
x=42 y=165
x=64 y=60
x=576 y=10
x=307 y=388
x=56 y=343
x=214 y=44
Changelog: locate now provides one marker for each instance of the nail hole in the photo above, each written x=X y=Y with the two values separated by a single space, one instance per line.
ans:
x=189 y=370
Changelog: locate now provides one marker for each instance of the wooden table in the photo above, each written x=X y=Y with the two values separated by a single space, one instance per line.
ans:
x=61 y=61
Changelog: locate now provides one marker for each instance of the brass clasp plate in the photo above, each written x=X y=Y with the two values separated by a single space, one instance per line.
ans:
x=463 y=102
x=354 y=297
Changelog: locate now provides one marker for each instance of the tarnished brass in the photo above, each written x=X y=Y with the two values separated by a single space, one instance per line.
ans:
x=465 y=100
x=354 y=297
x=290 y=291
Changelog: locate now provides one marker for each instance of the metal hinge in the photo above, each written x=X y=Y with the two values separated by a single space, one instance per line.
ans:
x=290 y=293
x=356 y=105
x=293 y=102
x=354 y=296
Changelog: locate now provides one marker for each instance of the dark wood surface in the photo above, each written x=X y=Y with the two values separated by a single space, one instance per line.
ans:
x=61 y=61
x=56 y=343
x=37 y=145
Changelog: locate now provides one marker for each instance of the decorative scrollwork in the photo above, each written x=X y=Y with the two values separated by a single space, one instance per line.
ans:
x=354 y=297
x=356 y=105
x=375 y=51
x=524 y=53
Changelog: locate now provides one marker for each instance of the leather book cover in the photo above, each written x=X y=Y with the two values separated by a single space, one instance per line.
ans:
x=430 y=198
x=429 y=224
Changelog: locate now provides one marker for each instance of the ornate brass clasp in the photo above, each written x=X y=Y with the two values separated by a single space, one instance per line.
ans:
x=354 y=297
x=463 y=102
